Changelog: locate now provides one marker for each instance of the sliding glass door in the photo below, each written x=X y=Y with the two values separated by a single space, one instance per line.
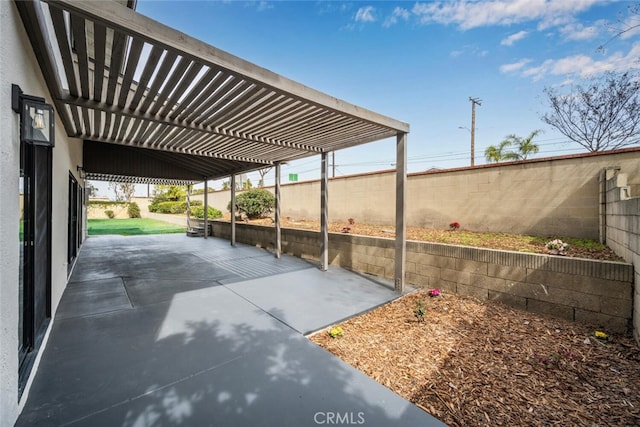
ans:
x=35 y=252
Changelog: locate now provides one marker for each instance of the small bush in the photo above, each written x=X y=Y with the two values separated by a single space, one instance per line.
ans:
x=419 y=311
x=133 y=210
x=110 y=214
x=336 y=332
x=212 y=213
x=169 y=208
x=178 y=207
x=256 y=203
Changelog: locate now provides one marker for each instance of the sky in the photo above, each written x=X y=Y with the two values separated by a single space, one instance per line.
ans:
x=420 y=62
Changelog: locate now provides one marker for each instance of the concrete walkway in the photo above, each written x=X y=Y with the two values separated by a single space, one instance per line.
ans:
x=170 y=330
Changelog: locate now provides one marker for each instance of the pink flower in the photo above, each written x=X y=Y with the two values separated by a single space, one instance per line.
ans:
x=434 y=292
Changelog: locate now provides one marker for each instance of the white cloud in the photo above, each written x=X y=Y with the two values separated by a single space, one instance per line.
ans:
x=469 y=50
x=577 y=31
x=509 y=41
x=397 y=14
x=467 y=14
x=365 y=14
x=584 y=66
x=631 y=27
x=516 y=66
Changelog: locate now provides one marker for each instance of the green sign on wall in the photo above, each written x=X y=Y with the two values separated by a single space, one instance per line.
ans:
x=293 y=177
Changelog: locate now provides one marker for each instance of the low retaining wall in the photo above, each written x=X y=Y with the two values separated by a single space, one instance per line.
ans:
x=591 y=291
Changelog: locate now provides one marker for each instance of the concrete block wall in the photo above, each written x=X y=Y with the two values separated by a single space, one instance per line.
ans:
x=561 y=196
x=623 y=228
x=596 y=292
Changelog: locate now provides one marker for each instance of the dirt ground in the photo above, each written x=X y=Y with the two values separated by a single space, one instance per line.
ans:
x=509 y=242
x=474 y=363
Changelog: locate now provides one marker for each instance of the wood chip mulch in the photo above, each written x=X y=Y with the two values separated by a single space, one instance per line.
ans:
x=482 y=363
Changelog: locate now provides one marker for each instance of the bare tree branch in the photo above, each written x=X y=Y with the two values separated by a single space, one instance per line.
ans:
x=604 y=115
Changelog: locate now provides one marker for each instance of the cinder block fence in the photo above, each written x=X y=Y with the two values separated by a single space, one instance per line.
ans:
x=596 y=292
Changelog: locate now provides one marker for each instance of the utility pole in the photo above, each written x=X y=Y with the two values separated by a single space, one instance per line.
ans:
x=474 y=101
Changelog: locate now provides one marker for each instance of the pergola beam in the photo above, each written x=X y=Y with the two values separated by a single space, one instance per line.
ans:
x=166 y=120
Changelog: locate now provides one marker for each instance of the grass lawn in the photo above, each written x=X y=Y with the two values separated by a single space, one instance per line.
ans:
x=132 y=227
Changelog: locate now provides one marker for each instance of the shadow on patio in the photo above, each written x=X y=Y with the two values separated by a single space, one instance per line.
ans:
x=167 y=330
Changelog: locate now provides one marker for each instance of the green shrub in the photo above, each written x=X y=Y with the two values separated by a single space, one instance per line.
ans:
x=110 y=214
x=256 y=203
x=133 y=210
x=178 y=207
x=183 y=205
x=169 y=208
x=212 y=213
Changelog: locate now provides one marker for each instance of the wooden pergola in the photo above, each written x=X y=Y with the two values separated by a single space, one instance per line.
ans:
x=159 y=104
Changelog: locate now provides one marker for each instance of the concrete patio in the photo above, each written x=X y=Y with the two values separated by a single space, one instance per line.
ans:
x=168 y=330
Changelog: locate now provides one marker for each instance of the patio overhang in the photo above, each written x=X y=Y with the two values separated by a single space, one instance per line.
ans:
x=119 y=77
x=120 y=80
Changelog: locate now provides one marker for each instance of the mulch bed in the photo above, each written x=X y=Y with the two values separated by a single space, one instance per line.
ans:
x=483 y=363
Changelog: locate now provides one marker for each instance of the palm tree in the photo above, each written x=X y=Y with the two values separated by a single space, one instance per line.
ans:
x=497 y=154
x=525 y=145
x=524 y=148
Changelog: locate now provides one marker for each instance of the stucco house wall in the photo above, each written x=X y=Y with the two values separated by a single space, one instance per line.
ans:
x=19 y=66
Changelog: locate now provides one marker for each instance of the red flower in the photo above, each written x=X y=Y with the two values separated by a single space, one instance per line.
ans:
x=454 y=225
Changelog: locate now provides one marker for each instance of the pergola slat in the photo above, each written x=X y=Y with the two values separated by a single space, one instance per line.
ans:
x=60 y=29
x=80 y=41
x=100 y=44
x=107 y=126
x=147 y=73
x=225 y=102
x=132 y=63
x=159 y=79
x=266 y=103
x=196 y=91
x=97 y=122
x=248 y=99
x=115 y=63
x=117 y=121
x=170 y=85
x=179 y=91
x=217 y=92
